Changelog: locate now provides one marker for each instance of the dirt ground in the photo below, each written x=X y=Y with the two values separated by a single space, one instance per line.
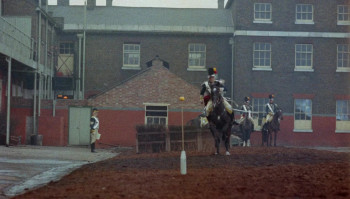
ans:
x=255 y=172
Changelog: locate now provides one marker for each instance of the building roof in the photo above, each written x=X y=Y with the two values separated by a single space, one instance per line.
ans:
x=154 y=85
x=113 y=18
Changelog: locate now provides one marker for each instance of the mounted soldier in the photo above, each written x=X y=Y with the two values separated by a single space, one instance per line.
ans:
x=246 y=112
x=270 y=109
x=206 y=91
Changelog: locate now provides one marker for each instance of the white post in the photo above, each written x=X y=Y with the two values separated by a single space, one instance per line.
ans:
x=183 y=165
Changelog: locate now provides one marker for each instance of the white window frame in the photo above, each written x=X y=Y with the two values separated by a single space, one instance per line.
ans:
x=303 y=55
x=302 y=124
x=256 y=12
x=342 y=124
x=259 y=110
x=341 y=54
x=136 y=52
x=159 y=117
x=345 y=14
x=262 y=52
x=302 y=12
x=196 y=50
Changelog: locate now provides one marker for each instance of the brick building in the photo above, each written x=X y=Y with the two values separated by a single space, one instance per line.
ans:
x=297 y=49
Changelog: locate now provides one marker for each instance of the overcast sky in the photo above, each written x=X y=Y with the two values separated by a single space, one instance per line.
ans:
x=152 y=3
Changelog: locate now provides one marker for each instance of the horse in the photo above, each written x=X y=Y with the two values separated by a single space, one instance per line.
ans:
x=271 y=127
x=220 y=121
x=246 y=129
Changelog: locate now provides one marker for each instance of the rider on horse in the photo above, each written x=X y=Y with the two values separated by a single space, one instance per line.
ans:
x=270 y=109
x=246 y=112
x=206 y=91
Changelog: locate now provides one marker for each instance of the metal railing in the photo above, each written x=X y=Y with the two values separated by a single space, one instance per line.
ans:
x=16 y=40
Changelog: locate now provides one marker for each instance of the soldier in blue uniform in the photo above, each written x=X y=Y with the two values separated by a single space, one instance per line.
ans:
x=206 y=91
x=94 y=126
x=246 y=111
x=270 y=109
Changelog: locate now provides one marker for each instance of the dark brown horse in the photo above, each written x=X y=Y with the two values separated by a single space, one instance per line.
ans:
x=220 y=121
x=270 y=128
x=246 y=128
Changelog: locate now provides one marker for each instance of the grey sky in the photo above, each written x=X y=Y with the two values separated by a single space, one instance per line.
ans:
x=152 y=3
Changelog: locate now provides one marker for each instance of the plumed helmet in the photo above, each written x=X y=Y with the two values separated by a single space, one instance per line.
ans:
x=212 y=72
x=246 y=99
x=271 y=96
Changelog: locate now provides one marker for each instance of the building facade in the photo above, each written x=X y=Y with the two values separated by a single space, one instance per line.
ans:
x=297 y=50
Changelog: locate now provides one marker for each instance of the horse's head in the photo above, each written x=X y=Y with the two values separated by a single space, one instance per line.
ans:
x=216 y=96
x=278 y=115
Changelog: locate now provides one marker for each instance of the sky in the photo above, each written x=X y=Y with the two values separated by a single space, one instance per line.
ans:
x=152 y=3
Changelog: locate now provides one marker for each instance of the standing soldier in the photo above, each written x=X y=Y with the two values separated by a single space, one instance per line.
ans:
x=246 y=111
x=94 y=126
x=206 y=91
x=270 y=109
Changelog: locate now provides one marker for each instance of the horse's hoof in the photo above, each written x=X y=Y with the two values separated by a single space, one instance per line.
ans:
x=228 y=153
x=216 y=153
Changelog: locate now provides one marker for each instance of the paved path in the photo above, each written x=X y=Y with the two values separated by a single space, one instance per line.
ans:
x=26 y=167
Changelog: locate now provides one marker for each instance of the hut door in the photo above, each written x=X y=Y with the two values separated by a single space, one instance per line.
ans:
x=79 y=125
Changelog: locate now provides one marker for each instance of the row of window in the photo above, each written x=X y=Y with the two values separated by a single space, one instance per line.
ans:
x=303 y=56
x=196 y=56
x=302 y=114
x=261 y=56
x=304 y=13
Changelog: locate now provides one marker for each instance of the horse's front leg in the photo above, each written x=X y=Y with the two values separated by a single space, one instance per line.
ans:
x=275 y=136
x=216 y=136
x=227 y=140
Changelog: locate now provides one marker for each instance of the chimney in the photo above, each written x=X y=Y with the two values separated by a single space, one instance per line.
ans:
x=109 y=3
x=90 y=4
x=63 y=3
x=221 y=4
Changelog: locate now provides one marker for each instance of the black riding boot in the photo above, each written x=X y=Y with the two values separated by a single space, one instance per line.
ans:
x=93 y=148
x=252 y=127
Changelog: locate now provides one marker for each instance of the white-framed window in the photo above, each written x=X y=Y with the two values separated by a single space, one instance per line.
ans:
x=262 y=13
x=262 y=56
x=77 y=2
x=303 y=57
x=343 y=58
x=65 y=62
x=302 y=115
x=131 y=56
x=156 y=114
x=66 y=48
x=196 y=56
x=343 y=16
x=304 y=14
x=101 y=3
x=258 y=105
x=343 y=116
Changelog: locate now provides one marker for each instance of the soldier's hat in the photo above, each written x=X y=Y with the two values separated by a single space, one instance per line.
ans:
x=211 y=72
x=271 y=96
x=94 y=110
x=246 y=99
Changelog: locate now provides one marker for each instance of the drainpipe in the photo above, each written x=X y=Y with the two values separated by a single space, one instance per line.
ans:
x=8 y=59
x=84 y=43
x=80 y=36
x=39 y=60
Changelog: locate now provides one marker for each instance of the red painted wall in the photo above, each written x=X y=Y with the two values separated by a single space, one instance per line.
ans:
x=54 y=129
x=323 y=134
x=18 y=122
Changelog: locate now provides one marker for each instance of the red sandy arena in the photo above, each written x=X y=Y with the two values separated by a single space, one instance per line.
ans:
x=256 y=172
